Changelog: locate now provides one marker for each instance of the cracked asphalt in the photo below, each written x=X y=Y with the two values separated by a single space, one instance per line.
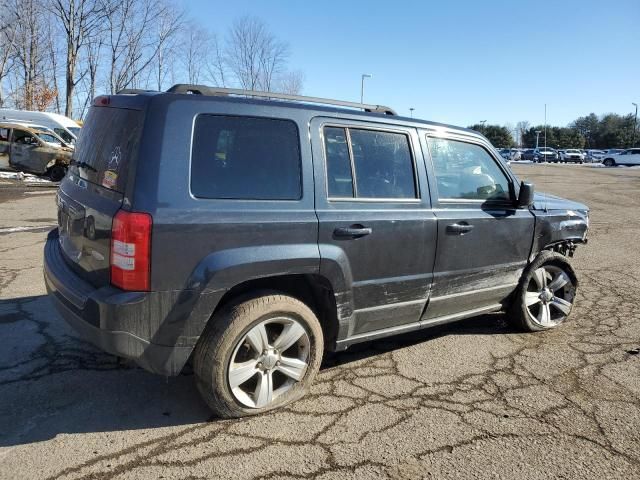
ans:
x=468 y=400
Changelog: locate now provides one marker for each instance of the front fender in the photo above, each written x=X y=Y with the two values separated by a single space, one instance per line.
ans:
x=557 y=227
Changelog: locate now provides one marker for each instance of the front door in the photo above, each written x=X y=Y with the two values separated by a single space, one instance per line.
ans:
x=4 y=147
x=375 y=220
x=484 y=242
x=27 y=153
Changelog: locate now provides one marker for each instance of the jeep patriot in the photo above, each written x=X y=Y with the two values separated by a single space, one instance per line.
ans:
x=249 y=232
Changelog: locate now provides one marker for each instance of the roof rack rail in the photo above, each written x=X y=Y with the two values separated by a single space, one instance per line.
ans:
x=206 y=90
x=132 y=91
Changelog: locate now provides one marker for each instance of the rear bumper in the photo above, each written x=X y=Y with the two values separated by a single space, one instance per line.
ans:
x=101 y=315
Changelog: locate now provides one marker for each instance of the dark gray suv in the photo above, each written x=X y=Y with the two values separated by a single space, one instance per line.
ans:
x=250 y=232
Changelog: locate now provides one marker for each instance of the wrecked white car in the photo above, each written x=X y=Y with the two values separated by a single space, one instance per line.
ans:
x=35 y=151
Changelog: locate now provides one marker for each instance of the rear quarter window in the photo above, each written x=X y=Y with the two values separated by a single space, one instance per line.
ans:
x=107 y=144
x=245 y=158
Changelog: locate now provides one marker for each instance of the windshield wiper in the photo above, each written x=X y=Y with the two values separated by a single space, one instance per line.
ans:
x=83 y=165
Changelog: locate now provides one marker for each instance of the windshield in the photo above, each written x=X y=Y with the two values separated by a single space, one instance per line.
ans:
x=66 y=136
x=48 y=137
x=107 y=143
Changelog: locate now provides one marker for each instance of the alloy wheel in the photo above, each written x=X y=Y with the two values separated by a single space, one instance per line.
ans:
x=269 y=360
x=549 y=296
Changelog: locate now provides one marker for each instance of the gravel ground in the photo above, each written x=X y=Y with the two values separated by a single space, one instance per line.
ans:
x=469 y=400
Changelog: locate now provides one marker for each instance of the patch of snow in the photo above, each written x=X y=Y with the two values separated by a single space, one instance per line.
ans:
x=24 y=177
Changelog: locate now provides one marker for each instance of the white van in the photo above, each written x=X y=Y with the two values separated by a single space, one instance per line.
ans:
x=64 y=127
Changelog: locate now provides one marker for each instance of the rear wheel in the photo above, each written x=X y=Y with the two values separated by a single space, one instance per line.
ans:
x=609 y=162
x=257 y=355
x=546 y=293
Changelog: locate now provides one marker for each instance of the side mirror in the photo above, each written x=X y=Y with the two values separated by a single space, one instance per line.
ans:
x=525 y=198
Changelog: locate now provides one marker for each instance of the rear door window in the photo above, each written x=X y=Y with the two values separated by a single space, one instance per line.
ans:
x=245 y=158
x=381 y=162
x=339 y=175
x=109 y=141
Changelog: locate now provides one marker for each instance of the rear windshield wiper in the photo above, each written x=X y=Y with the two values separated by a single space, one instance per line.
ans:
x=83 y=165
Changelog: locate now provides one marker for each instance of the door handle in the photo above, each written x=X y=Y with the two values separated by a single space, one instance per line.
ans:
x=354 y=231
x=459 y=228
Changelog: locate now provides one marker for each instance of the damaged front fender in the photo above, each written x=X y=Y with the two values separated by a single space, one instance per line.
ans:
x=560 y=225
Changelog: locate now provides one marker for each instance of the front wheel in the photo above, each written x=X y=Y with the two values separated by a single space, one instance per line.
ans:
x=257 y=355
x=57 y=173
x=546 y=294
x=609 y=162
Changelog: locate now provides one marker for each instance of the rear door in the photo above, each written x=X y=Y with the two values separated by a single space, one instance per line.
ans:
x=375 y=217
x=94 y=190
x=483 y=241
x=631 y=157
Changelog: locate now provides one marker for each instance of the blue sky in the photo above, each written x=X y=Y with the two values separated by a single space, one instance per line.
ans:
x=458 y=62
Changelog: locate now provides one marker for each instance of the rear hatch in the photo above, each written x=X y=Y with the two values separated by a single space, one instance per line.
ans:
x=93 y=191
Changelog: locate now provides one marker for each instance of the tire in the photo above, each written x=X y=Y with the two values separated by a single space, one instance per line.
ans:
x=57 y=173
x=609 y=162
x=229 y=339
x=549 y=286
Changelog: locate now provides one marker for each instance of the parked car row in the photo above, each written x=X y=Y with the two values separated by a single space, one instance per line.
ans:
x=609 y=157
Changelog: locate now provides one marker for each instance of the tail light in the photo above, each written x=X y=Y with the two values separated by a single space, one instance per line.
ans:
x=131 y=250
x=102 y=101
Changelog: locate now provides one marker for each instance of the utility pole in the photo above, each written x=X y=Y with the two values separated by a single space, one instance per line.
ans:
x=545 y=126
x=635 y=125
x=538 y=132
x=364 y=75
x=411 y=109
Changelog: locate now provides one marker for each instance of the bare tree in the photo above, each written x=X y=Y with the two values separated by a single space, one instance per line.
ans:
x=92 y=51
x=79 y=20
x=522 y=128
x=195 y=49
x=28 y=51
x=82 y=46
x=167 y=29
x=52 y=54
x=215 y=63
x=131 y=40
x=291 y=82
x=254 y=55
x=7 y=44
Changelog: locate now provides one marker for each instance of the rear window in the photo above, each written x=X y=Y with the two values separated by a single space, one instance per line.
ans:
x=108 y=141
x=245 y=158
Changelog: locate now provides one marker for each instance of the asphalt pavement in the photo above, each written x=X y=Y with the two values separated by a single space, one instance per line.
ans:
x=469 y=400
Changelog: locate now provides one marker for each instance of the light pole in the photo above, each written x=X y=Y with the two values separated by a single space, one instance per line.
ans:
x=635 y=125
x=482 y=122
x=538 y=132
x=545 y=127
x=364 y=75
x=411 y=109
